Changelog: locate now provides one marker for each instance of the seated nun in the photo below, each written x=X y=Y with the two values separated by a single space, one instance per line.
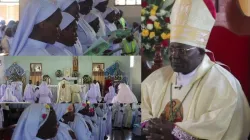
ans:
x=93 y=22
x=37 y=122
x=87 y=113
x=99 y=7
x=79 y=125
x=9 y=95
x=38 y=27
x=85 y=32
x=72 y=7
x=109 y=18
x=64 y=114
x=124 y=95
x=67 y=37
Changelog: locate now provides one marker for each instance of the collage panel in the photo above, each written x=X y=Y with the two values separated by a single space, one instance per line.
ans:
x=67 y=79
x=70 y=28
x=85 y=121
x=195 y=82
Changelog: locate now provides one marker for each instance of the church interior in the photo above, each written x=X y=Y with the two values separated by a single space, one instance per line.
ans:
x=83 y=70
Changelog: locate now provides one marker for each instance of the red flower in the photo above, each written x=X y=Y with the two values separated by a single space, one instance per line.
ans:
x=167 y=20
x=150 y=21
x=83 y=104
x=144 y=4
x=164 y=43
x=44 y=116
x=91 y=110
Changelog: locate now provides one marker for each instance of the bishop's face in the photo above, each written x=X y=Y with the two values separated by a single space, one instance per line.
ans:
x=184 y=58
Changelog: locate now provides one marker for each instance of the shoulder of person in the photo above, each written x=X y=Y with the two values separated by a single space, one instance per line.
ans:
x=222 y=79
x=160 y=76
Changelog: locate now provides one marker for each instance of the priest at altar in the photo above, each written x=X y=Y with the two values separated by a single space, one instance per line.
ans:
x=64 y=92
x=194 y=98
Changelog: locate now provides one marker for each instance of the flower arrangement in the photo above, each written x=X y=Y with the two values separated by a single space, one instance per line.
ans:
x=155 y=23
x=58 y=73
x=87 y=79
x=75 y=74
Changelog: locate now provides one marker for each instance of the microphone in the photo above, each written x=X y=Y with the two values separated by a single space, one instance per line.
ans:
x=178 y=87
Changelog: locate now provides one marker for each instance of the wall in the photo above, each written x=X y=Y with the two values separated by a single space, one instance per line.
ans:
x=136 y=77
x=51 y=64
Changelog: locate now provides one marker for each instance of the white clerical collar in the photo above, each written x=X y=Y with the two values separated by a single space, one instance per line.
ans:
x=184 y=79
x=35 y=44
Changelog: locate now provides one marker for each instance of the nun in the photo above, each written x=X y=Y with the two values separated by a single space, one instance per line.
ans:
x=98 y=90
x=64 y=115
x=39 y=26
x=109 y=18
x=87 y=113
x=8 y=95
x=71 y=7
x=118 y=117
x=93 y=21
x=128 y=116
x=37 y=122
x=99 y=7
x=86 y=33
x=2 y=90
x=109 y=120
x=124 y=95
x=44 y=93
x=17 y=87
x=92 y=95
x=110 y=95
x=79 y=125
x=67 y=37
x=101 y=112
x=29 y=93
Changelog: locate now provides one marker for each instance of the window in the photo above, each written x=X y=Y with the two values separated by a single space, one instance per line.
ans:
x=9 y=10
x=127 y=2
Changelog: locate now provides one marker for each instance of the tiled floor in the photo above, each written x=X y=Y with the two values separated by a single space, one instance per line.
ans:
x=123 y=135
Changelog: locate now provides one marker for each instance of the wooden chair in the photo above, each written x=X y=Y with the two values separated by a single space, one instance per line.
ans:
x=234 y=51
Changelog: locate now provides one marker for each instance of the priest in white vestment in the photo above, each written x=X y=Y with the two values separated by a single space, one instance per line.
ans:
x=76 y=91
x=194 y=98
x=63 y=92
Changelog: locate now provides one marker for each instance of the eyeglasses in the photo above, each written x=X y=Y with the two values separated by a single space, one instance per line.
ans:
x=180 y=51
